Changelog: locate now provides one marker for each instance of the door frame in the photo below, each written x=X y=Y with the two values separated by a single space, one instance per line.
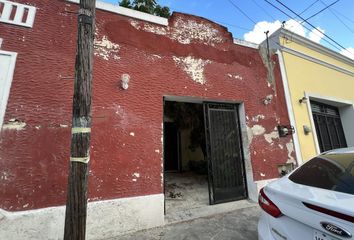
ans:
x=7 y=86
x=245 y=141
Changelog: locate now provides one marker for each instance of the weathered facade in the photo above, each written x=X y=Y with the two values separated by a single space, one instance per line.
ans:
x=319 y=97
x=185 y=57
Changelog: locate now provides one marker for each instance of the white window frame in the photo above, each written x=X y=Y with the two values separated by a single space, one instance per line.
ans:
x=20 y=10
x=339 y=103
x=8 y=81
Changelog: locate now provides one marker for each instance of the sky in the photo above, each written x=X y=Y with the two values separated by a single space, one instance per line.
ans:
x=249 y=19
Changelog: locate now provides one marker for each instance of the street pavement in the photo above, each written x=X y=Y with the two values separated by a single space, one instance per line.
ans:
x=239 y=224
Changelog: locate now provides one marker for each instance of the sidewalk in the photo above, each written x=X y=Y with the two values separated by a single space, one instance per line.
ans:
x=239 y=224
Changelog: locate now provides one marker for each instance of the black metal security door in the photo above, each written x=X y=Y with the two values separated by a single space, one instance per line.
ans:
x=328 y=125
x=225 y=162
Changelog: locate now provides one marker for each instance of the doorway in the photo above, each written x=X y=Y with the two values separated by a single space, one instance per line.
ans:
x=203 y=159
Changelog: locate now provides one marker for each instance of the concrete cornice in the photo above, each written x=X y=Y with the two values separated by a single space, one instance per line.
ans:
x=318 y=61
x=282 y=32
x=245 y=43
x=128 y=12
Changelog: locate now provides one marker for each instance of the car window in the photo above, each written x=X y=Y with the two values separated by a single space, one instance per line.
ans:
x=330 y=171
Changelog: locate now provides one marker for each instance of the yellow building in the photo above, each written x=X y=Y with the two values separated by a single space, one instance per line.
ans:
x=319 y=91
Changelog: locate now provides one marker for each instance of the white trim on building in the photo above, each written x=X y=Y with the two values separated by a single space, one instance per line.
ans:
x=289 y=107
x=105 y=219
x=318 y=61
x=17 y=13
x=291 y=36
x=7 y=68
x=128 y=12
x=245 y=43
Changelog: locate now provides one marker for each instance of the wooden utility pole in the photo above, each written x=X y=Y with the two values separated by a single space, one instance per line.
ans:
x=76 y=205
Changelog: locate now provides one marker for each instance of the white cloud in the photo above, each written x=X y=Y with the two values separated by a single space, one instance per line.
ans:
x=295 y=27
x=257 y=35
x=348 y=52
x=316 y=35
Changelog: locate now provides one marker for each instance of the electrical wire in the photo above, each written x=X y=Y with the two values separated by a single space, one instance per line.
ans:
x=266 y=12
x=243 y=13
x=336 y=16
x=340 y=48
x=343 y=15
x=315 y=27
x=249 y=18
x=303 y=25
x=253 y=21
x=309 y=7
x=320 y=11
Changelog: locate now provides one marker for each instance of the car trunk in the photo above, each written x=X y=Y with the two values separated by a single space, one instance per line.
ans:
x=290 y=197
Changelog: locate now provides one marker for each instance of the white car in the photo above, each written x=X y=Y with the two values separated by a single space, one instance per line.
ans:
x=314 y=202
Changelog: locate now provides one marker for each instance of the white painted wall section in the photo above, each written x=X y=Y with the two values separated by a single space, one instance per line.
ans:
x=7 y=68
x=251 y=186
x=347 y=118
x=289 y=107
x=105 y=219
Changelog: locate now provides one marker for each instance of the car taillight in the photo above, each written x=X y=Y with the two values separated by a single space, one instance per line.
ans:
x=267 y=205
x=330 y=212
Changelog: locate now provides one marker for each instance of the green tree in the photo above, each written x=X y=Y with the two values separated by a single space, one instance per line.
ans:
x=125 y=3
x=147 y=6
x=162 y=11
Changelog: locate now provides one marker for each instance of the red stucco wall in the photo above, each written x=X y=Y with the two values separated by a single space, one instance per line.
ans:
x=127 y=124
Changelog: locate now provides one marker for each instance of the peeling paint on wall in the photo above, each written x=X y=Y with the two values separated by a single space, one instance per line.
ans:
x=154 y=56
x=290 y=148
x=270 y=136
x=135 y=176
x=4 y=176
x=135 y=24
x=147 y=27
x=268 y=64
x=268 y=99
x=185 y=31
x=258 y=117
x=235 y=76
x=116 y=122
x=14 y=124
x=193 y=67
x=256 y=130
x=105 y=49
x=162 y=180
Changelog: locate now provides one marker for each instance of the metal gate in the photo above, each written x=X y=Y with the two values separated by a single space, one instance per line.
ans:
x=328 y=125
x=225 y=160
